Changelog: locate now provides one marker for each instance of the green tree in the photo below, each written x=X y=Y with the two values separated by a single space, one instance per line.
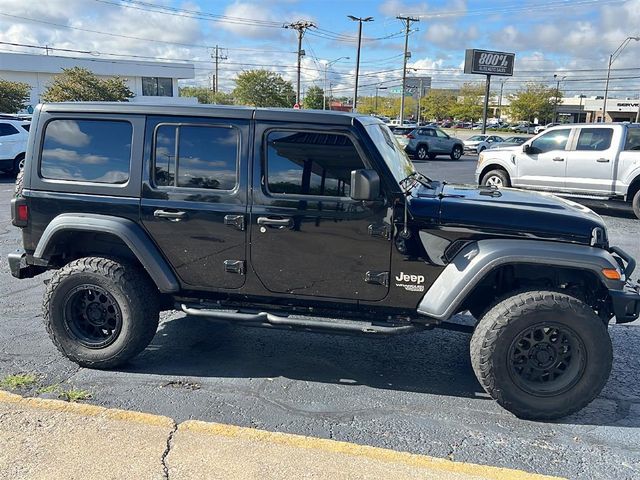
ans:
x=81 y=85
x=261 y=88
x=205 y=95
x=313 y=98
x=13 y=96
x=535 y=100
x=469 y=104
x=438 y=104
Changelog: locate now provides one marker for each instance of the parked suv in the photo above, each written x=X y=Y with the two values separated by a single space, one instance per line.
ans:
x=429 y=142
x=595 y=161
x=293 y=219
x=13 y=144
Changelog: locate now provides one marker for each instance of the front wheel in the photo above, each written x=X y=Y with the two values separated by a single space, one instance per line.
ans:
x=541 y=354
x=422 y=152
x=100 y=312
x=496 y=178
x=456 y=153
x=635 y=203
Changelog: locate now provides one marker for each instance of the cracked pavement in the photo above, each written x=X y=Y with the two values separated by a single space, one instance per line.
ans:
x=414 y=393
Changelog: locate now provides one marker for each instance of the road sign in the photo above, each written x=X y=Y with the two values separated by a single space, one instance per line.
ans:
x=297 y=106
x=489 y=63
x=413 y=84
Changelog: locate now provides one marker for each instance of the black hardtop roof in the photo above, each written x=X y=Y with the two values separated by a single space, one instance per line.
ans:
x=220 y=111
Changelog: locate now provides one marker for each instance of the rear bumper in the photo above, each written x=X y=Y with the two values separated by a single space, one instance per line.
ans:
x=19 y=266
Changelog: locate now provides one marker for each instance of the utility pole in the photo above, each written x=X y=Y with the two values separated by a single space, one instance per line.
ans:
x=300 y=26
x=359 y=20
x=500 y=100
x=555 y=106
x=217 y=57
x=407 y=54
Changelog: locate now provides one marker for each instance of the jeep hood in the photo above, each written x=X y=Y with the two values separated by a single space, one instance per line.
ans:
x=509 y=212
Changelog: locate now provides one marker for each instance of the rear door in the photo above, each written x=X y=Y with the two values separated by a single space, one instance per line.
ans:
x=591 y=161
x=544 y=166
x=308 y=237
x=194 y=198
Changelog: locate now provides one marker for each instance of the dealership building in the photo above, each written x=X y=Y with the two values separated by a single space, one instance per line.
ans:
x=150 y=82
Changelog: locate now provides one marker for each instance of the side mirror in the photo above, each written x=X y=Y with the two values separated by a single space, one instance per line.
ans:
x=526 y=148
x=365 y=184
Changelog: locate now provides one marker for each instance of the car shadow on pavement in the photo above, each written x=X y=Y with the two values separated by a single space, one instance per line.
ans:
x=434 y=362
x=7 y=178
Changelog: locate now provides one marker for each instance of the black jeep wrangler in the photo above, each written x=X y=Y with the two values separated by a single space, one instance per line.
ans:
x=294 y=219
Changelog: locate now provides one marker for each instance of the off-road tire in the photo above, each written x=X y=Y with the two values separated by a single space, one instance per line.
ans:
x=422 y=152
x=136 y=297
x=500 y=175
x=17 y=191
x=635 y=203
x=505 y=322
x=456 y=153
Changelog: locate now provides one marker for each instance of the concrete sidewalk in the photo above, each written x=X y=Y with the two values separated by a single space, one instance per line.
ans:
x=52 y=439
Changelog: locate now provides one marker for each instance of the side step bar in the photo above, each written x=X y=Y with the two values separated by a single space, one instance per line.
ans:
x=264 y=319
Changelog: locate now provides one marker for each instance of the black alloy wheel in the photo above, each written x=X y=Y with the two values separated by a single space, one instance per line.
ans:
x=422 y=152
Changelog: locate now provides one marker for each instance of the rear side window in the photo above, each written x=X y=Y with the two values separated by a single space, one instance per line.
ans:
x=552 y=140
x=7 y=129
x=196 y=156
x=87 y=151
x=311 y=163
x=595 y=139
x=633 y=139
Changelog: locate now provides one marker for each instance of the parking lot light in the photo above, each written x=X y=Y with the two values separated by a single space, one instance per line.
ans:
x=612 y=58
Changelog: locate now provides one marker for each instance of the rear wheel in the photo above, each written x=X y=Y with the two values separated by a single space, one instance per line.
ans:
x=18 y=165
x=496 y=178
x=422 y=152
x=541 y=354
x=636 y=204
x=100 y=312
x=456 y=153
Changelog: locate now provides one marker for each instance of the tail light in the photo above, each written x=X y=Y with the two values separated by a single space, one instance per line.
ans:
x=19 y=212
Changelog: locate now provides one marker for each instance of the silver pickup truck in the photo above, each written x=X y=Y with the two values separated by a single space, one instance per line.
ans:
x=598 y=161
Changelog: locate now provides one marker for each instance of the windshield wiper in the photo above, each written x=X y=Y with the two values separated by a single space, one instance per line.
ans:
x=416 y=177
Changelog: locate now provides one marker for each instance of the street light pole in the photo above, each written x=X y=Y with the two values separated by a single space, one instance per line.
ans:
x=408 y=21
x=612 y=58
x=500 y=100
x=376 y=104
x=555 y=106
x=324 y=91
x=359 y=20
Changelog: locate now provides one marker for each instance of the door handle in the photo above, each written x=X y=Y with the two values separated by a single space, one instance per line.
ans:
x=558 y=159
x=602 y=160
x=175 y=216
x=278 y=222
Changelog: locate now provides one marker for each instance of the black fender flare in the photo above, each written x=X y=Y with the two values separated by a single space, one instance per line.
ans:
x=479 y=258
x=126 y=230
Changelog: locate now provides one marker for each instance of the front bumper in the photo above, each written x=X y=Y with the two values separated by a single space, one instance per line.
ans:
x=626 y=303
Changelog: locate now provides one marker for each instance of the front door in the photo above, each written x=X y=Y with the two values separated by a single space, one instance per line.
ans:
x=590 y=164
x=194 y=198
x=308 y=237
x=544 y=166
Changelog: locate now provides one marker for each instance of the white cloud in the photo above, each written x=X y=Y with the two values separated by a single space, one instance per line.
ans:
x=67 y=132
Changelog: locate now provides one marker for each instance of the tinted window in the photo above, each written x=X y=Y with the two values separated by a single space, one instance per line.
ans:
x=7 y=129
x=441 y=134
x=157 y=87
x=555 y=140
x=309 y=163
x=594 y=139
x=87 y=150
x=633 y=139
x=206 y=156
x=26 y=126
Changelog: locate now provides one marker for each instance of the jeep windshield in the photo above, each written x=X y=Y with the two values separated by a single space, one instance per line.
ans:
x=393 y=155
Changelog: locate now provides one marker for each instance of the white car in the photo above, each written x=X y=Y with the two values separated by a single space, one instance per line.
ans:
x=542 y=128
x=479 y=143
x=13 y=144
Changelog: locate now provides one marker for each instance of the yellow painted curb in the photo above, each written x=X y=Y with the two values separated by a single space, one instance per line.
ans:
x=286 y=439
x=374 y=453
x=87 y=410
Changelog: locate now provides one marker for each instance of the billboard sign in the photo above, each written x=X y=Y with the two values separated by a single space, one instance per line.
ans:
x=486 y=62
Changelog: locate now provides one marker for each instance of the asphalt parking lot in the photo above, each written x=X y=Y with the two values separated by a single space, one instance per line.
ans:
x=412 y=393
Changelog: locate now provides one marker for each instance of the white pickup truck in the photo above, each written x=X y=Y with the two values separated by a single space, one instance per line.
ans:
x=598 y=161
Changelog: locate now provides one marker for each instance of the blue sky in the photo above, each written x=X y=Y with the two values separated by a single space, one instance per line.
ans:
x=570 y=37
